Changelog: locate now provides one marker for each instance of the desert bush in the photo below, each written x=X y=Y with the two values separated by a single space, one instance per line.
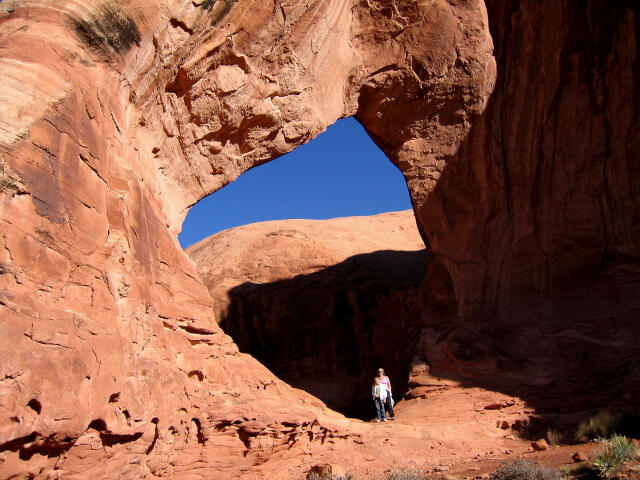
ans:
x=553 y=437
x=524 y=469
x=328 y=476
x=616 y=451
x=583 y=471
x=601 y=425
x=406 y=475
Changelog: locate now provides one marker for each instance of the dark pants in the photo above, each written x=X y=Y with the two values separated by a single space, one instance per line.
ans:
x=379 y=408
x=387 y=404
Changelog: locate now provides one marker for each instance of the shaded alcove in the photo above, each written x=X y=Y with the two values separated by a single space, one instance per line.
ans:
x=328 y=330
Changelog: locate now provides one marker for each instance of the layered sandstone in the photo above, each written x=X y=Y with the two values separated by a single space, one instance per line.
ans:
x=116 y=116
x=321 y=303
x=267 y=252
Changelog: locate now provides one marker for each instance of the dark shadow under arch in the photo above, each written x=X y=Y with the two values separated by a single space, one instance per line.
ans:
x=327 y=332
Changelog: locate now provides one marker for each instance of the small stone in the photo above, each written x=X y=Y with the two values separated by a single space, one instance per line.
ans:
x=441 y=468
x=580 y=456
x=540 y=445
x=228 y=78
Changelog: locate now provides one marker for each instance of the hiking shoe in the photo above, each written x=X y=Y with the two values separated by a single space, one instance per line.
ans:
x=384 y=419
x=378 y=420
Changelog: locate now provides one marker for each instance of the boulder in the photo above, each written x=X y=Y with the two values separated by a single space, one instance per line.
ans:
x=580 y=456
x=540 y=445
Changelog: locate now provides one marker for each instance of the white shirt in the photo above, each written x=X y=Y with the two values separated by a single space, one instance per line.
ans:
x=384 y=391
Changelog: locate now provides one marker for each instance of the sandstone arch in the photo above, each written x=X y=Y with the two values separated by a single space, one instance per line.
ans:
x=110 y=131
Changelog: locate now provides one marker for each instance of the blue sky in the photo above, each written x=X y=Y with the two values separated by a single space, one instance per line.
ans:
x=340 y=173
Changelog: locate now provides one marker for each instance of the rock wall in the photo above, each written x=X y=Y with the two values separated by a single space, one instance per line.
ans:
x=112 y=363
x=116 y=116
x=544 y=184
x=533 y=226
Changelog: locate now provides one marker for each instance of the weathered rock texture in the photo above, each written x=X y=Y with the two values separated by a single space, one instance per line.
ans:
x=116 y=116
x=533 y=226
x=322 y=304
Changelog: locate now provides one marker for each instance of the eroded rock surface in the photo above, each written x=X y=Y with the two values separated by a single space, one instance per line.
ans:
x=533 y=226
x=116 y=116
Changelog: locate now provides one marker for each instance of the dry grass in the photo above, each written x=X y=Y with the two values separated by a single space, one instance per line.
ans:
x=400 y=474
x=406 y=475
x=601 y=425
x=328 y=476
x=525 y=469
x=553 y=437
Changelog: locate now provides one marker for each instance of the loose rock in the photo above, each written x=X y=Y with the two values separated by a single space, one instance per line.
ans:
x=580 y=456
x=540 y=445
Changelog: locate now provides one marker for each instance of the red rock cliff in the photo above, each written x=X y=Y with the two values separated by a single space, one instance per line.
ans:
x=533 y=226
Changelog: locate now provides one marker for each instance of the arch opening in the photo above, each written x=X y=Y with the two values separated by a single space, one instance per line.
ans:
x=322 y=302
x=340 y=173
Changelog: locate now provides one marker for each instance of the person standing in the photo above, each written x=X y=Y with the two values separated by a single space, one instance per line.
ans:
x=388 y=402
x=377 y=392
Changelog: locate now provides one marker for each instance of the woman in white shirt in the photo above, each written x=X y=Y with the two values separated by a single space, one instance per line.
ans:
x=388 y=401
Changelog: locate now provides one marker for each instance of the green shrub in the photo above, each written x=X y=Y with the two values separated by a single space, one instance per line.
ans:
x=616 y=451
x=601 y=425
x=524 y=469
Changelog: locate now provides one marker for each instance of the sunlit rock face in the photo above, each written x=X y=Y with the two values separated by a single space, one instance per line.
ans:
x=322 y=304
x=116 y=116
